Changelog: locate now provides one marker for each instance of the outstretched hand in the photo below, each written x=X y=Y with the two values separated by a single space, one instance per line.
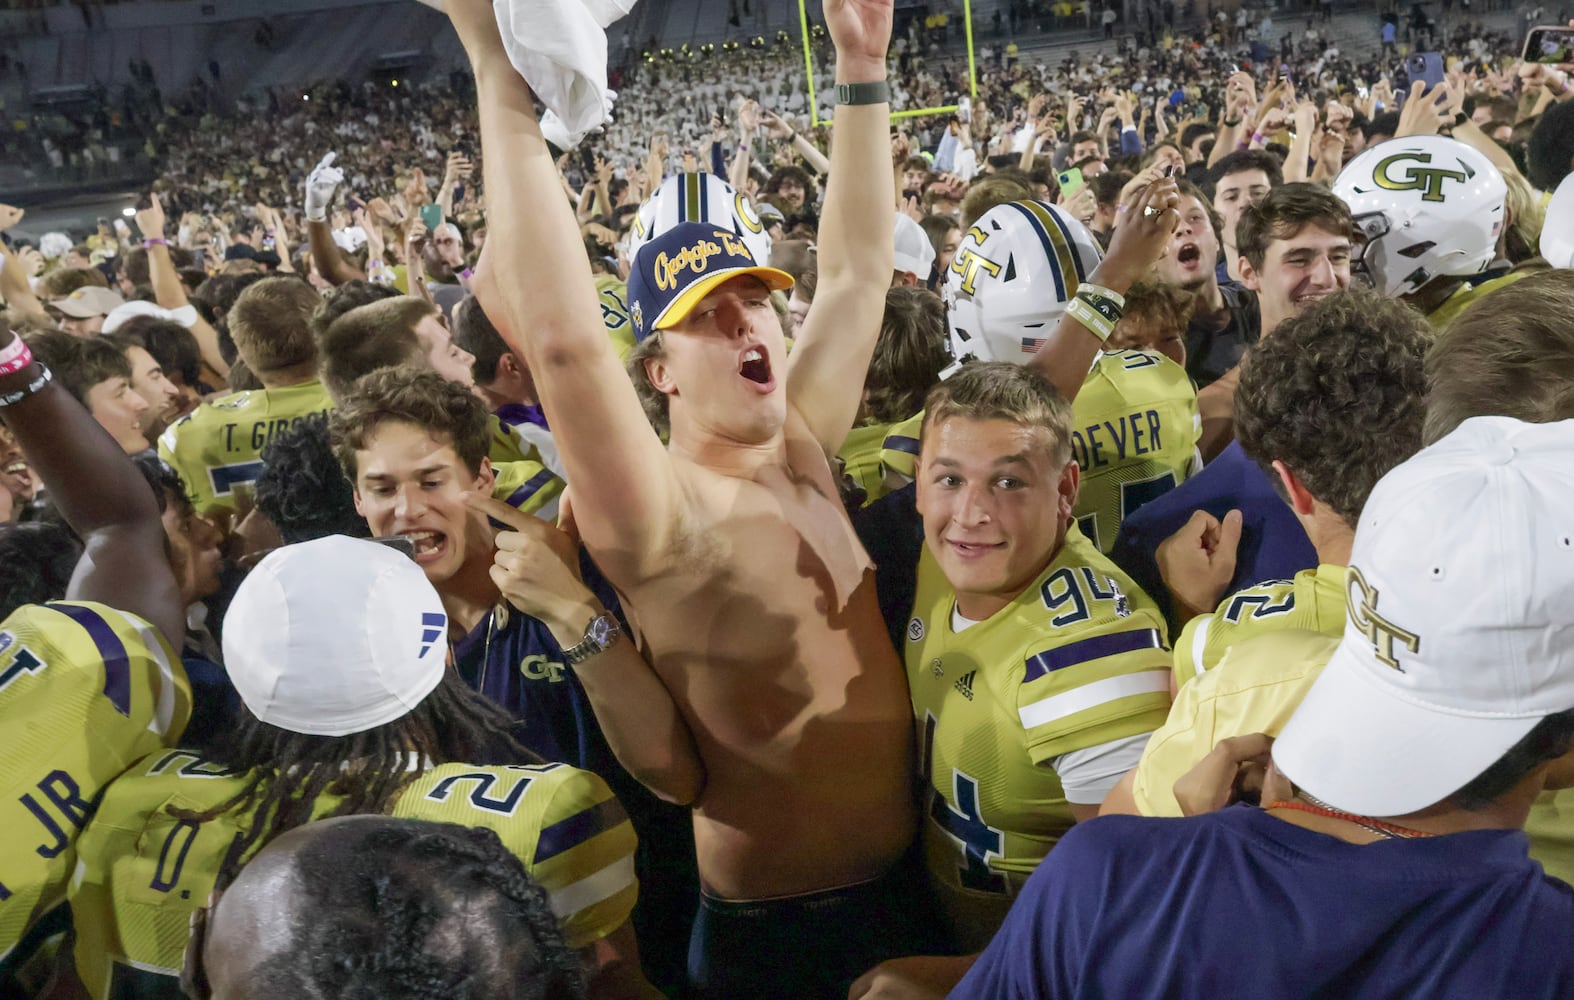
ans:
x=1141 y=235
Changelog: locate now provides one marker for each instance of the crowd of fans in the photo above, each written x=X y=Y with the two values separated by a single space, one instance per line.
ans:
x=1104 y=540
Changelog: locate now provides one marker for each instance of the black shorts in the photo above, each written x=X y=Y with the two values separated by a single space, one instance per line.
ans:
x=813 y=945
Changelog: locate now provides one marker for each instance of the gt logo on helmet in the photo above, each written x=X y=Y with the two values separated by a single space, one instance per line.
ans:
x=1427 y=180
x=968 y=263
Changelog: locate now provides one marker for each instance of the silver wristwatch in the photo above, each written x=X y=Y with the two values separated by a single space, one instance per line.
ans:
x=600 y=635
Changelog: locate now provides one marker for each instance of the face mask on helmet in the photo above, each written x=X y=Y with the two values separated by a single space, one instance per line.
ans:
x=1424 y=207
x=1011 y=279
x=699 y=198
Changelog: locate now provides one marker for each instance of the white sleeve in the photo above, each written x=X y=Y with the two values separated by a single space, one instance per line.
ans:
x=1087 y=775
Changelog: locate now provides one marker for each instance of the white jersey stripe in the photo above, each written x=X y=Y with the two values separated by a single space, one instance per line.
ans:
x=1080 y=699
x=592 y=889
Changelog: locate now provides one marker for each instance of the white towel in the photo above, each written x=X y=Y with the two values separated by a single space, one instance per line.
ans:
x=560 y=48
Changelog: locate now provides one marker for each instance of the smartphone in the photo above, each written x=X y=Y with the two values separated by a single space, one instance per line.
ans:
x=1551 y=44
x=1070 y=181
x=352 y=202
x=431 y=217
x=1425 y=66
x=399 y=543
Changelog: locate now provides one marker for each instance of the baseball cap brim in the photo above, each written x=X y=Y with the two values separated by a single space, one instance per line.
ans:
x=77 y=310
x=1361 y=746
x=680 y=307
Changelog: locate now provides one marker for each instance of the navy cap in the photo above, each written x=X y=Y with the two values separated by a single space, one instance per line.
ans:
x=673 y=272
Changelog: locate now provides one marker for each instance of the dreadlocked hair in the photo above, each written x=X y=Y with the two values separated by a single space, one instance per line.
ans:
x=287 y=772
x=420 y=911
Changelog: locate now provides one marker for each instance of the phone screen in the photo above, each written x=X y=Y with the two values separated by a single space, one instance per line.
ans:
x=1550 y=45
x=431 y=216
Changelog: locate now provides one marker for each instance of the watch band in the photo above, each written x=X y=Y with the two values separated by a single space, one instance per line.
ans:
x=601 y=634
x=878 y=92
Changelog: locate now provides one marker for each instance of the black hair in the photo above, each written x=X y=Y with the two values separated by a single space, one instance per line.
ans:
x=287 y=772
x=348 y=297
x=1551 y=146
x=475 y=332
x=171 y=345
x=36 y=563
x=302 y=488
x=214 y=301
x=1386 y=123
x=400 y=908
x=1549 y=740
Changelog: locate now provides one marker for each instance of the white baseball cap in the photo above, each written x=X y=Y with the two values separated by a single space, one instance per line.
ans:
x=1459 y=636
x=1557 y=234
x=335 y=636
x=914 y=252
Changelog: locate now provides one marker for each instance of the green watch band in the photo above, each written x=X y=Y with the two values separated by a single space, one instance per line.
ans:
x=863 y=93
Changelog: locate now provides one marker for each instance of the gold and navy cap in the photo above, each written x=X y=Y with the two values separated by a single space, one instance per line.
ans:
x=674 y=271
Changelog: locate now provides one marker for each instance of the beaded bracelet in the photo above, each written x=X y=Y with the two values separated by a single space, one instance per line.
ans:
x=45 y=376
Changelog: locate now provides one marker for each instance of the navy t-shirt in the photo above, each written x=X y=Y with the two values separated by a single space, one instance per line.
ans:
x=1239 y=903
x=1273 y=544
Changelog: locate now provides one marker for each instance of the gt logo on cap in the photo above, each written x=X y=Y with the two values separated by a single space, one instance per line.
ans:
x=1382 y=632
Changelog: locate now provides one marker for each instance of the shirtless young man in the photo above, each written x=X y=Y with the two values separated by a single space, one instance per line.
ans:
x=749 y=589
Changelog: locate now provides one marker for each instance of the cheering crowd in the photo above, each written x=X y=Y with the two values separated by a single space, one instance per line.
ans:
x=1104 y=541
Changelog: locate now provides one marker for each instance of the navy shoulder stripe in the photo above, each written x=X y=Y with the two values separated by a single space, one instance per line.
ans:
x=117 y=662
x=1095 y=648
x=901 y=442
x=569 y=833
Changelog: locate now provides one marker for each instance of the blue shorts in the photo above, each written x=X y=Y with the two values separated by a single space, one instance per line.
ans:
x=813 y=945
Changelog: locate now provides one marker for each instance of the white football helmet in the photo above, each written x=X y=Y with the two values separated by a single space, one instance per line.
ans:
x=1012 y=277
x=699 y=198
x=1424 y=206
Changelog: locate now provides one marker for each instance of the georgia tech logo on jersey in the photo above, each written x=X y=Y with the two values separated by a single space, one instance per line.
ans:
x=1427 y=180
x=1384 y=634
x=695 y=258
x=915 y=630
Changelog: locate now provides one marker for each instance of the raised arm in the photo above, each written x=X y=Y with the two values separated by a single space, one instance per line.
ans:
x=825 y=374
x=167 y=288
x=104 y=498
x=324 y=180
x=543 y=301
x=1140 y=237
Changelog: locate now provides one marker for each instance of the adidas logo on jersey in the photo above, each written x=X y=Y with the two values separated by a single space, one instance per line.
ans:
x=964 y=684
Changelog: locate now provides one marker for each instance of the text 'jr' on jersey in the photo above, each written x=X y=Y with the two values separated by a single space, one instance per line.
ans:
x=1079 y=659
x=85 y=690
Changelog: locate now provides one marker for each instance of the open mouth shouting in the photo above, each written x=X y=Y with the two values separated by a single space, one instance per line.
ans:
x=1189 y=256
x=429 y=545
x=754 y=365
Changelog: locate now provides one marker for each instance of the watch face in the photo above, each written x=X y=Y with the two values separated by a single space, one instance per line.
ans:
x=601 y=629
